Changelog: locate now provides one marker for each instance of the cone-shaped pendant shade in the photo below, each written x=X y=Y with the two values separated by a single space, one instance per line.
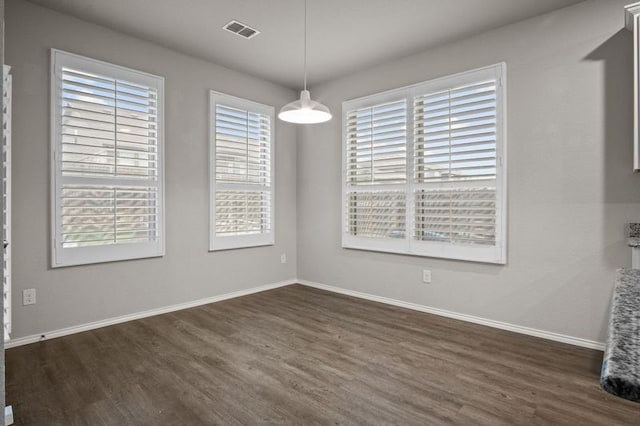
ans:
x=305 y=111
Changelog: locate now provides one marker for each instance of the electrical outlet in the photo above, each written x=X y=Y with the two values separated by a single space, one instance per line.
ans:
x=426 y=276
x=29 y=296
x=283 y=258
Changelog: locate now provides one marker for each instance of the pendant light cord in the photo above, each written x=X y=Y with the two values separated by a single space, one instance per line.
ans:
x=305 y=44
x=305 y=110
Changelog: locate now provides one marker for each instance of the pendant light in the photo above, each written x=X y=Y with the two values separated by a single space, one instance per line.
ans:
x=305 y=110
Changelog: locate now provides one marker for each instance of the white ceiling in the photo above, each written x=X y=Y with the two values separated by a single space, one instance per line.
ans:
x=343 y=35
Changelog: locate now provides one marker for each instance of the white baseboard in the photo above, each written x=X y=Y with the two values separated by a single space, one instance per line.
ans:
x=51 y=334
x=577 y=341
x=8 y=415
x=46 y=335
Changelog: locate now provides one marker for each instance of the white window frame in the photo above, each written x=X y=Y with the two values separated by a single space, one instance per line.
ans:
x=60 y=256
x=238 y=241
x=477 y=253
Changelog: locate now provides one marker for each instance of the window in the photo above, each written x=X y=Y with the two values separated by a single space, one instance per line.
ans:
x=107 y=154
x=241 y=155
x=424 y=170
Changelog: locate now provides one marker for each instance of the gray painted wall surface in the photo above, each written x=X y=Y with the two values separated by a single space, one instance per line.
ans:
x=2 y=393
x=571 y=186
x=76 y=295
x=571 y=189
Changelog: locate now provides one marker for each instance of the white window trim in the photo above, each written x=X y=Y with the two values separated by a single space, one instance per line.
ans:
x=60 y=256
x=237 y=241
x=496 y=254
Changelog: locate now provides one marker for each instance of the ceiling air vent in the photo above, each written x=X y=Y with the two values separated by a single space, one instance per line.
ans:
x=241 y=29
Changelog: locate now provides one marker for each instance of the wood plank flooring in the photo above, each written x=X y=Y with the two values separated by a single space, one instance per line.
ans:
x=297 y=355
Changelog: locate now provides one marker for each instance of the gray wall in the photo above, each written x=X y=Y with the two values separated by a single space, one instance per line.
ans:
x=2 y=381
x=571 y=188
x=76 y=295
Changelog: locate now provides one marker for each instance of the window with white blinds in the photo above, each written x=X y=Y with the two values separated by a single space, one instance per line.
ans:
x=241 y=149
x=424 y=170
x=107 y=162
x=377 y=151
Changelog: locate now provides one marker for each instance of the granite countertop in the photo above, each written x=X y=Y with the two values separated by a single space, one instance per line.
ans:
x=628 y=276
x=621 y=365
x=633 y=242
x=633 y=235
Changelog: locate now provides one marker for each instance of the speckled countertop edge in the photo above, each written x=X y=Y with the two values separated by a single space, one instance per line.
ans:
x=633 y=235
x=628 y=276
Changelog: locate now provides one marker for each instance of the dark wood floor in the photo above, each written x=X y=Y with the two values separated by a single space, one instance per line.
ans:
x=297 y=355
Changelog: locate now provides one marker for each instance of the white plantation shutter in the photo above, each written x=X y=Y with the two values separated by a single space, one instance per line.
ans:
x=451 y=148
x=107 y=153
x=376 y=171
x=377 y=214
x=241 y=173
x=463 y=215
x=377 y=144
x=455 y=134
x=455 y=164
